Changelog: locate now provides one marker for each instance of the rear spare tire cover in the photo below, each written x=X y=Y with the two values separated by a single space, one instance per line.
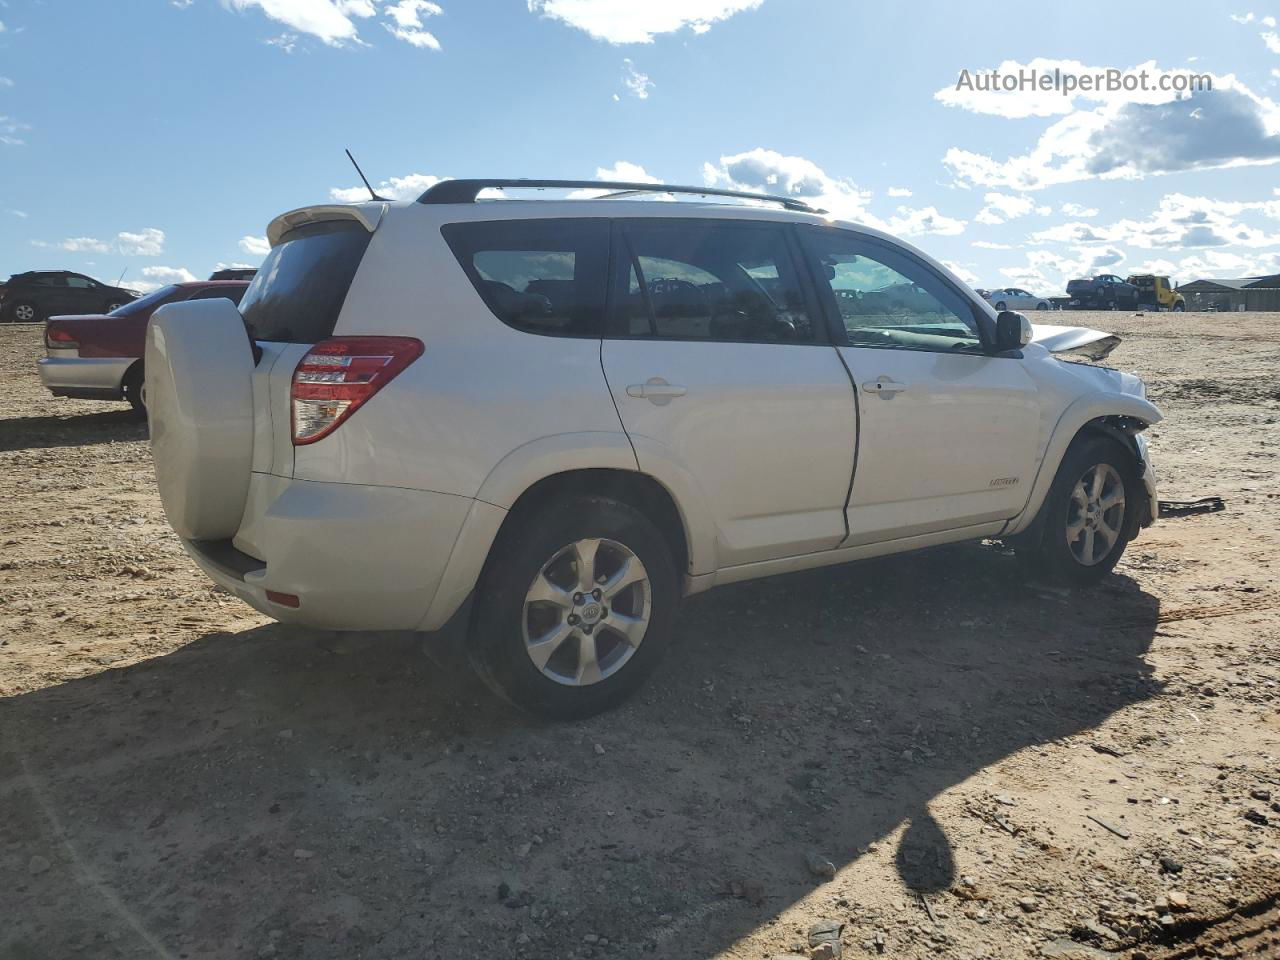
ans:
x=199 y=369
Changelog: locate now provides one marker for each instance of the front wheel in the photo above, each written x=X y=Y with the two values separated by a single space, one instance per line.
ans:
x=113 y=306
x=1179 y=307
x=1090 y=514
x=574 y=608
x=1002 y=306
x=1042 y=305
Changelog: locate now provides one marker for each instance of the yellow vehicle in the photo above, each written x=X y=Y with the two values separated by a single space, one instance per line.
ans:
x=1157 y=293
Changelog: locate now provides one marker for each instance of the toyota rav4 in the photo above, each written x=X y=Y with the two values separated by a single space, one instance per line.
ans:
x=547 y=420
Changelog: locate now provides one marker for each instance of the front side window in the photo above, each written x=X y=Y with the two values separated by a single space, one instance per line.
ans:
x=713 y=281
x=540 y=276
x=80 y=283
x=886 y=298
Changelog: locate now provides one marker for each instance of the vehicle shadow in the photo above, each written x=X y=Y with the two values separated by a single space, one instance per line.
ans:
x=285 y=792
x=78 y=430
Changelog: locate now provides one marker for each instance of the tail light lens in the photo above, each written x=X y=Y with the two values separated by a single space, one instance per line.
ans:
x=58 y=339
x=338 y=375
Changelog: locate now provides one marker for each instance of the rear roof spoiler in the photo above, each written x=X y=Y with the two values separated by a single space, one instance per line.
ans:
x=367 y=215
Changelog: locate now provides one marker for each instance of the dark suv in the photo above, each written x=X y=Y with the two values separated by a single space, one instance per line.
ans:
x=33 y=296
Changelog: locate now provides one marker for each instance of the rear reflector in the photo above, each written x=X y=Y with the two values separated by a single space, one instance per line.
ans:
x=59 y=339
x=338 y=375
x=284 y=599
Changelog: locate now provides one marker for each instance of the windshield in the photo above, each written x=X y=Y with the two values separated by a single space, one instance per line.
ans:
x=153 y=299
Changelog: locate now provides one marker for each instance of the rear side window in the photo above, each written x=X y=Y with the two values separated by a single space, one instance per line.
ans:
x=540 y=276
x=298 y=291
x=234 y=294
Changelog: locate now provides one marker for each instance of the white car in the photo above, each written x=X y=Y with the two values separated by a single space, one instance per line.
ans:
x=1015 y=298
x=546 y=421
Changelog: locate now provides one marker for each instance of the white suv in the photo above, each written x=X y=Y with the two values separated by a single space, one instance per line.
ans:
x=548 y=420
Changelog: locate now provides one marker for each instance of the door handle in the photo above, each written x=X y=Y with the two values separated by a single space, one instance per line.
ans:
x=656 y=390
x=883 y=386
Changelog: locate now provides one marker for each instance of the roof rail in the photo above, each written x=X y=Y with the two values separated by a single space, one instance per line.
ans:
x=466 y=191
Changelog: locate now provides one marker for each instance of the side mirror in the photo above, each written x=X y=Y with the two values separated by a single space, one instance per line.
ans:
x=1013 y=331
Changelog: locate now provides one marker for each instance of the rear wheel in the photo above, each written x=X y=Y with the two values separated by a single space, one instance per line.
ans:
x=574 y=608
x=1090 y=514
x=23 y=311
x=1112 y=305
x=113 y=305
x=1042 y=305
x=135 y=390
x=1002 y=306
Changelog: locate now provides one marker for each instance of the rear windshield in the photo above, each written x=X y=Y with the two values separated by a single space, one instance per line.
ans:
x=299 y=289
x=150 y=300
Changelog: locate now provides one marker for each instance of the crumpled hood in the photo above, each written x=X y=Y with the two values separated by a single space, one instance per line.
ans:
x=1078 y=341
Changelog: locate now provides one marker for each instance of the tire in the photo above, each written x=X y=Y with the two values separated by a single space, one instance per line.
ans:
x=1042 y=305
x=23 y=311
x=542 y=552
x=135 y=390
x=113 y=305
x=1179 y=307
x=1002 y=306
x=1112 y=305
x=1062 y=558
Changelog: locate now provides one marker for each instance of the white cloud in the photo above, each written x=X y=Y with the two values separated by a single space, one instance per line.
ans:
x=1129 y=136
x=255 y=246
x=397 y=188
x=991 y=245
x=626 y=172
x=20 y=214
x=9 y=130
x=1001 y=207
x=407 y=22
x=1272 y=40
x=911 y=222
x=1178 y=221
x=966 y=275
x=1078 y=210
x=288 y=42
x=898 y=192
x=165 y=275
x=148 y=243
x=629 y=21
x=637 y=83
x=5 y=82
x=767 y=171
x=334 y=22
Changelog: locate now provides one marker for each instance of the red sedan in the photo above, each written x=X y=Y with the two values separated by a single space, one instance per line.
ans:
x=100 y=357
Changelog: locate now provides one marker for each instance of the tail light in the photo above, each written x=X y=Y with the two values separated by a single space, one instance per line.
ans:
x=337 y=376
x=58 y=339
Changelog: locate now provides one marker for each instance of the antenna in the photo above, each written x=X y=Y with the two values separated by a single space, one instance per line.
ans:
x=121 y=277
x=363 y=177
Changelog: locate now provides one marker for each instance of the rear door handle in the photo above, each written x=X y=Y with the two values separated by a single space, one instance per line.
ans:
x=656 y=390
x=883 y=386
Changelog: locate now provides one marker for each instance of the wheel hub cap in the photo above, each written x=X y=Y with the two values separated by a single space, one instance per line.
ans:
x=586 y=612
x=1095 y=515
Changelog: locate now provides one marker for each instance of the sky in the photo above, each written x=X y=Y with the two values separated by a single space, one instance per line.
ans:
x=155 y=139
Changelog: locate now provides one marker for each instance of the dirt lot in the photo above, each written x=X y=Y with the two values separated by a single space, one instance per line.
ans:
x=993 y=768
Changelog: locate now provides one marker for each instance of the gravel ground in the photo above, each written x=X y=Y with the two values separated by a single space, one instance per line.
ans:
x=926 y=753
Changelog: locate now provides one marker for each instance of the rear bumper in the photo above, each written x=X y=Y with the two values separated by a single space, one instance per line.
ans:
x=355 y=557
x=85 y=377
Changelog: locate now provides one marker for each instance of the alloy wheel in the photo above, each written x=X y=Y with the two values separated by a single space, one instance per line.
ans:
x=1095 y=515
x=586 y=612
x=24 y=313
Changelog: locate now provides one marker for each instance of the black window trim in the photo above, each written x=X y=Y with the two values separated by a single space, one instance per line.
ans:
x=835 y=325
x=623 y=258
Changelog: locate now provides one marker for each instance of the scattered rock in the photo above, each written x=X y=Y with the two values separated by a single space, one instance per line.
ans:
x=1179 y=901
x=1260 y=794
x=749 y=891
x=301 y=854
x=599 y=749
x=820 y=866
x=38 y=865
x=1029 y=904
x=285 y=734
x=1256 y=816
x=1070 y=950
x=1170 y=865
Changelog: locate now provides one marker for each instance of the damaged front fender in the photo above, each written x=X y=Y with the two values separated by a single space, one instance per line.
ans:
x=1074 y=341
